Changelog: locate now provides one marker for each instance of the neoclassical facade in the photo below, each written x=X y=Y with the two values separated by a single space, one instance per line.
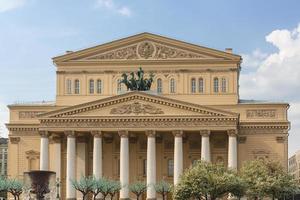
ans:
x=192 y=112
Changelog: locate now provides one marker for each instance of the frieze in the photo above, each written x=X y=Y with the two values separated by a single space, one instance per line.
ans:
x=147 y=50
x=136 y=108
x=140 y=123
x=263 y=113
x=29 y=114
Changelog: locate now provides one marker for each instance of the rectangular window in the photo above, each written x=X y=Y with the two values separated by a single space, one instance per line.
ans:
x=69 y=86
x=170 y=167
x=193 y=85
x=91 y=86
x=201 y=85
x=99 y=86
x=77 y=87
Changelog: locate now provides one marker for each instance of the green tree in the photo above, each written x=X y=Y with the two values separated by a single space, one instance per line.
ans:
x=138 y=188
x=114 y=188
x=84 y=185
x=268 y=179
x=98 y=186
x=163 y=188
x=14 y=187
x=205 y=180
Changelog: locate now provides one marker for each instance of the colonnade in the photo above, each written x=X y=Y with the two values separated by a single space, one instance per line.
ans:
x=124 y=157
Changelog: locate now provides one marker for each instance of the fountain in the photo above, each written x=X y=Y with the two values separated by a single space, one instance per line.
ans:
x=42 y=184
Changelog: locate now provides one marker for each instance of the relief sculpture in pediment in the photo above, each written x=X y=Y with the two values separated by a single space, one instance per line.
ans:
x=136 y=108
x=146 y=50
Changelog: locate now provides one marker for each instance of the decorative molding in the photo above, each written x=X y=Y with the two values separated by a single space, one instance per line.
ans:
x=150 y=133
x=232 y=132
x=32 y=154
x=70 y=133
x=140 y=122
x=136 y=108
x=147 y=50
x=261 y=154
x=204 y=133
x=44 y=134
x=261 y=113
x=177 y=133
x=96 y=133
x=14 y=140
x=29 y=114
x=123 y=133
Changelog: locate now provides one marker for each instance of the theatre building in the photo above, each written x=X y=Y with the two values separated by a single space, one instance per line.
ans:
x=191 y=112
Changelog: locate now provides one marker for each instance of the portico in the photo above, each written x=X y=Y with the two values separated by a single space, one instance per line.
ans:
x=155 y=128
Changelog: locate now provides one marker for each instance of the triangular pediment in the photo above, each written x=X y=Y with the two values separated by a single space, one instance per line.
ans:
x=137 y=104
x=146 y=46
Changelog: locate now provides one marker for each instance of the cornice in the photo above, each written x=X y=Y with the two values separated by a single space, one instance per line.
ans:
x=22 y=127
x=145 y=62
x=120 y=71
x=170 y=122
x=265 y=125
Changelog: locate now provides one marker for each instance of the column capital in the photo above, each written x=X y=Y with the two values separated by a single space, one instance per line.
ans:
x=150 y=133
x=70 y=133
x=56 y=138
x=44 y=134
x=205 y=133
x=177 y=133
x=123 y=133
x=232 y=132
x=96 y=133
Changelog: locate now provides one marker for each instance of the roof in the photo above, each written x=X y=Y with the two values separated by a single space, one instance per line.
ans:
x=252 y=101
x=106 y=47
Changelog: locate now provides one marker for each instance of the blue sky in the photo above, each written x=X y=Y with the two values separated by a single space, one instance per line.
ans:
x=265 y=33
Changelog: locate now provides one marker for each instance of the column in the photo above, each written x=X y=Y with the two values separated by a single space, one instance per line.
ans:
x=205 y=147
x=178 y=155
x=81 y=159
x=124 y=165
x=232 y=149
x=71 y=163
x=44 y=150
x=97 y=156
x=57 y=156
x=151 y=165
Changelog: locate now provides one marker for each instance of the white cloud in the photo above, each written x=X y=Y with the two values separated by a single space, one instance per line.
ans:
x=276 y=76
x=7 y=5
x=112 y=6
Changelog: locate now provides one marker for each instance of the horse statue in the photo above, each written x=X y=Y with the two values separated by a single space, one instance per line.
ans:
x=140 y=84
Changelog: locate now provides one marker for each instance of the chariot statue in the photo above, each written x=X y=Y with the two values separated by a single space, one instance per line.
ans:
x=136 y=81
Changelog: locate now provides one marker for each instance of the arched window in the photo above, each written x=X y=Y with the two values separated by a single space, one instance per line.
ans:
x=119 y=86
x=216 y=85
x=193 y=85
x=77 y=86
x=99 y=86
x=159 y=86
x=172 y=85
x=69 y=86
x=200 y=85
x=223 y=85
x=92 y=86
